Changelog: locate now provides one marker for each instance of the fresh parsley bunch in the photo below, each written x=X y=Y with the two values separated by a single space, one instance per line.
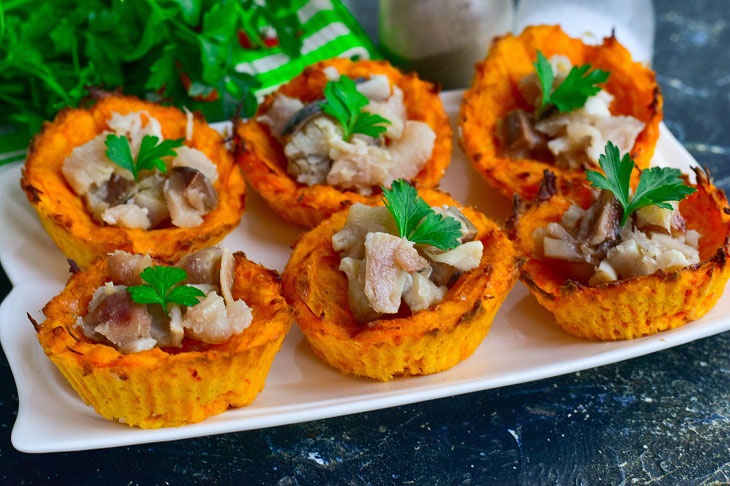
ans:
x=163 y=288
x=580 y=84
x=148 y=157
x=345 y=103
x=656 y=185
x=417 y=221
x=179 y=50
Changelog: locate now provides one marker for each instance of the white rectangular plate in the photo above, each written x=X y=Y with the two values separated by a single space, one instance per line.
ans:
x=523 y=344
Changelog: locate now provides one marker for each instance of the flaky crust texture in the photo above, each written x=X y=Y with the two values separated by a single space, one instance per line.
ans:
x=637 y=306
x=494 y=93
x=426 y=342
x=170 y=387
x=71 y=226
x=264 y=163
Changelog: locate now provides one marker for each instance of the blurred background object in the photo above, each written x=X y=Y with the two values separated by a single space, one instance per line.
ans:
x=439 y=39
x=631 y=20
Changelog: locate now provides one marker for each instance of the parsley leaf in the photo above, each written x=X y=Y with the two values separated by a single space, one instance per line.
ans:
x=148 y=157
x=573 y=92
x=656 y=185
x=161 y=288
x=417 y=221
x=150 y=152
x=117 y=149
x=344 y=103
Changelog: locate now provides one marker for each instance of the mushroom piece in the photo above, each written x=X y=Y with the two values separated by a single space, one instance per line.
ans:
x=468 y=230
x=189 y=195
x=202 y=267
x=603 y=226
x=301 y=117
x=115 y=316
x=198 y=190
x=519 y=136
x=124 y=268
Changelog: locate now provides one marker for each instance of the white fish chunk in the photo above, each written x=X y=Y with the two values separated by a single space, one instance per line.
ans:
x=361 y=220
x=411 y=152
x=464 y=257
x=423 y=293
x=126 y=216
x=389 y=261
x=280 y=112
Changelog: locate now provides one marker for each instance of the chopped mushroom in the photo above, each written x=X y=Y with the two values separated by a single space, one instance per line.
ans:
x=113 y=315
x=468 y=230
x=519 y=136
x=195 y=159
x=124 y=268
x=203 y=266
x=603 y=226
x=189 y=196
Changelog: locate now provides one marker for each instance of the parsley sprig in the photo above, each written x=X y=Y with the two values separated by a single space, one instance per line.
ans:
x=573 y=92
x=162 y=288
x=345 y=103
x=148 y=157
x=417 y=221
x=656 y=185
x=165 y=50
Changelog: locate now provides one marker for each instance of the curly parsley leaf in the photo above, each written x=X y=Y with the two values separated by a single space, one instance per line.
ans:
x=162 y=288
x=345 y=103
x=573 y=92
x=117 y=149
x=656 y=185
x=149 y=156
x=417 y=221
x=150 y=152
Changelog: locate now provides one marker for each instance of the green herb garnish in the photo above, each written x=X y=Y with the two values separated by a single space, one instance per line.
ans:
x=417 y=221
x=575 y=89
x=163 y=288
x=344 y=102
x=148 y=157
x=656 y=185
x=163 y=50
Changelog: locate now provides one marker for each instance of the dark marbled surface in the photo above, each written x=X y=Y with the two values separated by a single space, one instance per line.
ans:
x=659 y=419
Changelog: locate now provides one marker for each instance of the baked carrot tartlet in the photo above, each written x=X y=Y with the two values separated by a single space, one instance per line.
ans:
x=543 y=100
x=158 y=346
x=132 y=175
x=410 y=288
x=337 y=132
x=619 y=265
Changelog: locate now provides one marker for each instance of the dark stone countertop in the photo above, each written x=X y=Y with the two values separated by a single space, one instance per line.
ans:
x=661 y=419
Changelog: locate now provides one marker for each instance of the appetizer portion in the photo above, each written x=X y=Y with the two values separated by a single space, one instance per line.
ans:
x=621 y=264
x=132 y=175
x=153 y=346
x=543 y=100
x=408 y=288
x=339 y=131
